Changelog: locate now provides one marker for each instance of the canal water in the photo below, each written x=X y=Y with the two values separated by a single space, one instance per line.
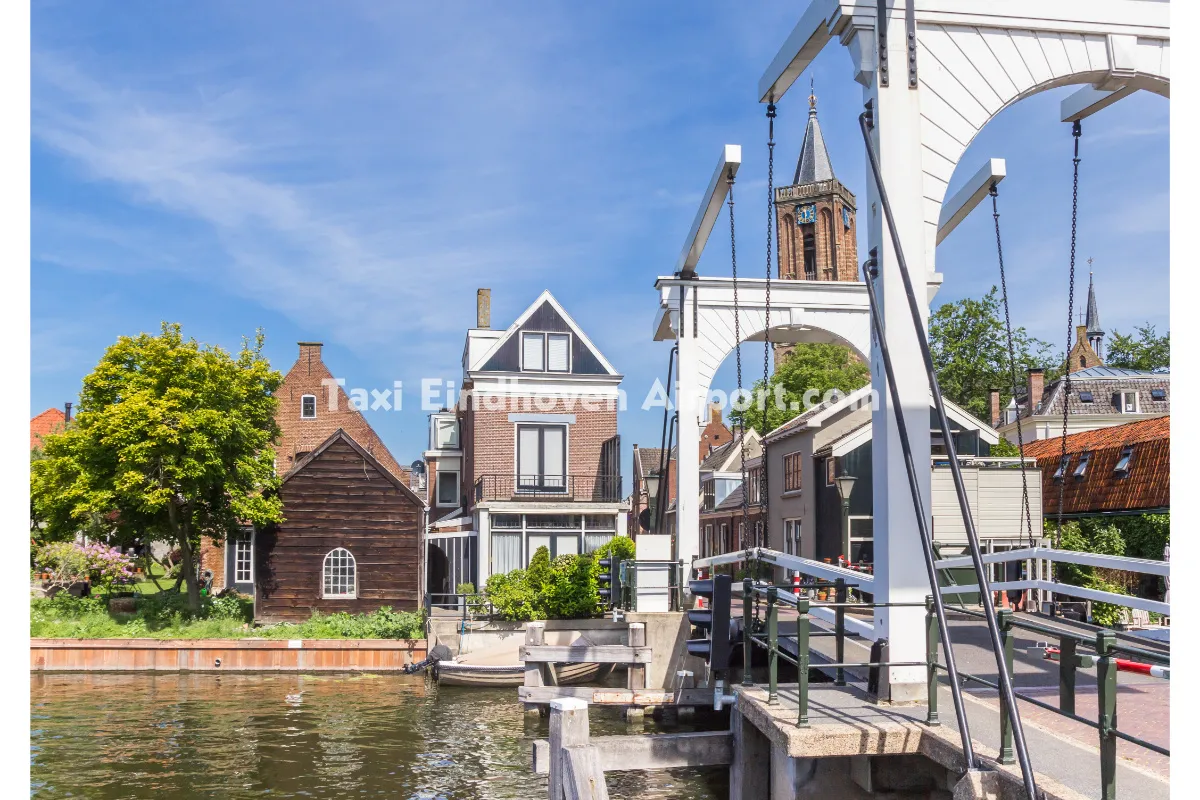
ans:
x=301 y=736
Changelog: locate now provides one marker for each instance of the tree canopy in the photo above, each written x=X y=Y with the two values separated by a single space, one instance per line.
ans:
x=970 y=353
x=1147 y=351
x=803 y=378
x=171 y=442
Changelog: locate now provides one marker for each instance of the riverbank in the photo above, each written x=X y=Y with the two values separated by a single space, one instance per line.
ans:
x=223 y=655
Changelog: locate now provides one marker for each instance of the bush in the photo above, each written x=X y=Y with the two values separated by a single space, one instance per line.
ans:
x=511 y=595
x=72 y=563
x=565 y=588
x=232 y=605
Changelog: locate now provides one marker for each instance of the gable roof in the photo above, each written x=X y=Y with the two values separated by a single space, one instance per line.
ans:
x=813 y=417
x=545 y=298
x=341 y=436
x=1115 y=436
x=729 y=452
x=52 y=420
x=1103 y=382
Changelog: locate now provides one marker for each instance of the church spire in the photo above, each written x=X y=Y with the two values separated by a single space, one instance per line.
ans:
x=1094 y=332
x=813 y=165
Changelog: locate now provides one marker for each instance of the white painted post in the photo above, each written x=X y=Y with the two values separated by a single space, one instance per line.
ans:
x=899 y=568
x=687 y=514
x=568 y=728
x=535 y=635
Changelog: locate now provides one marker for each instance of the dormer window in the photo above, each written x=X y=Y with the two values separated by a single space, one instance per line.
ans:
x=1086 y=397
x=1127 y=402
x=1122 y=468
x=308 y=406
x=546 y=352
x=445 y=433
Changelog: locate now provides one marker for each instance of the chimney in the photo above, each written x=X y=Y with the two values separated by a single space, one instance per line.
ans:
x=310 y=353
x=714 y=413
x=994 y=406
x=67 y=411
x=1081 y=333
x=1036 y=377
x=483 y=308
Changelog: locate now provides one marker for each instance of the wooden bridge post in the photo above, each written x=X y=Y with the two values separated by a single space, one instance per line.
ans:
x=636 y=673
x=535 y=634
x=568 y=728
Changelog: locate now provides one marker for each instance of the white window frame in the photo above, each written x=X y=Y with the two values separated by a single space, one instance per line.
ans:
x=437 y=489
x=443 y=423
x=325 y=565
x=524 y=335
x=850 y=523
x=724 y=533
x=791 y=536
x=541 y=475
x=248 y=541
x=1124 y=457
x=1081 y=468
x=313 y=415
x=1136 y=405
x=831 y=471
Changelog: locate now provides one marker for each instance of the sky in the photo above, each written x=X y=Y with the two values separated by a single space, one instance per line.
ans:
x=351 y=173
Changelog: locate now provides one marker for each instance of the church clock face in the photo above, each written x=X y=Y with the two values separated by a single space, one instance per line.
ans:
x=806 y=215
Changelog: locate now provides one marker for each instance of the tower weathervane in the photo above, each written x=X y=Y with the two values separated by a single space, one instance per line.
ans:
x=812 y=94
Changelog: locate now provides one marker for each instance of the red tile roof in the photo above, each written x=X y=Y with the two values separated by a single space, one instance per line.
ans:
x=1146 y=485
x=49 y=421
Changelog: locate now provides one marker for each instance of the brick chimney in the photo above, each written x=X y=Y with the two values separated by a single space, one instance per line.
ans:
x=1036 y=377
x=994 y=407
x=714 y=412
x=310 y=353
x=67 y=412
x=483 y=308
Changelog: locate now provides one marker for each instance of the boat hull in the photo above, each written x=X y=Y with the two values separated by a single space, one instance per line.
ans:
x=487 y=675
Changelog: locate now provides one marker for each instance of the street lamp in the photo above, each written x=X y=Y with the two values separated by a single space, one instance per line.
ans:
x=845 y=485
x=652 y=500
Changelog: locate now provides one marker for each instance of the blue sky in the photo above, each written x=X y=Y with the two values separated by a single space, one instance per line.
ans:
x=352 y=172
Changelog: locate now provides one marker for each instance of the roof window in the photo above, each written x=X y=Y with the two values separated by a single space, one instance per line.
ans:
x=1122 y=467
x=1158 y=394
x=1062 y=468
x=1081 y=469
x=1086 y=397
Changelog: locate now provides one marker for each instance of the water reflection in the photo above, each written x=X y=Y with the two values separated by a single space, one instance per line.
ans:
x=313 y=736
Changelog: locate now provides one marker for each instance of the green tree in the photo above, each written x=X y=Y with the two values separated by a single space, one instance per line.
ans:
x=802 y=380
x=171 y=443
x=970 y=352
x=1147 y=351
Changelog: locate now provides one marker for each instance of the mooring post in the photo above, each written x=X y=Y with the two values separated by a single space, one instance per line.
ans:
x=1106 y=695
x=772 y=645
x=535 y=636
x=1068 y=662
x=839 y=616
x=636 y=674
x=747 y=630
x=1004 y=618
x=802 y=662
x=931 y=657
x=568 y=728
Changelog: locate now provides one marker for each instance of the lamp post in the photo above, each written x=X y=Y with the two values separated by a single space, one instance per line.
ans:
x=652 y=500
x=845 y=485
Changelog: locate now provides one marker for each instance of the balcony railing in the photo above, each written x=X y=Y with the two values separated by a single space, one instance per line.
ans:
x=580 y=488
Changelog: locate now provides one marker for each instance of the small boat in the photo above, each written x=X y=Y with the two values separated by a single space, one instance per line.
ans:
x=455 y=673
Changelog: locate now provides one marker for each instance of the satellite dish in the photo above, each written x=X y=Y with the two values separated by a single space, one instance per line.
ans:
x=644 y=519
x=418 y=467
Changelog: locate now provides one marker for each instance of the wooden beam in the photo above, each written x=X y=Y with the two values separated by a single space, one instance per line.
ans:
x=956 y=209
x=583 y=776
x=591 y=654
x=710 y=207
x=659 y=751
x=1088 y=100
x=806 y=40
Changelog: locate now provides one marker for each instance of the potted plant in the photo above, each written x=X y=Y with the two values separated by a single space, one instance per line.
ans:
x=821 y=595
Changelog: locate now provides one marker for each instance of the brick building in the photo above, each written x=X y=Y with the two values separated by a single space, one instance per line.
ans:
x=52 y=420
x=816 y=236
x=530 y=455
x=312 y=408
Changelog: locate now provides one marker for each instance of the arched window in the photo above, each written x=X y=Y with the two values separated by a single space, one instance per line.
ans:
x=789 y=224
x=1082 y=361
x=810 y=255
x=831 y=238
x=339 y=577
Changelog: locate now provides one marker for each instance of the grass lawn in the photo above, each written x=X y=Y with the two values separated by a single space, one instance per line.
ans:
x=147 y=586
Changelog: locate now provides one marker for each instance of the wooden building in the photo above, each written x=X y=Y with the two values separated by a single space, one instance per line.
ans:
x=351 y=539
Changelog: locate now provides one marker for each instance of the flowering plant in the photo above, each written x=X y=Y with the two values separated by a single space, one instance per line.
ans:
x=72 y=562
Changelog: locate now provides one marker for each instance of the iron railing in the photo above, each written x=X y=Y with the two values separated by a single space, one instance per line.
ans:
x=595 y=488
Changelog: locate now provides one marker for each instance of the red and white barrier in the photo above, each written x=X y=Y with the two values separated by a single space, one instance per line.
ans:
x=1154 y=670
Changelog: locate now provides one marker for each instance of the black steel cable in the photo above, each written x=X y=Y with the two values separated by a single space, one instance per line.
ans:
x=764 y=493
x=737 y=338
x=1076 y=132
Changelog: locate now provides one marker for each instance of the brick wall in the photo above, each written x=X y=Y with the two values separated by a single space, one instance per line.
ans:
x=836 y=245
x=212 y=557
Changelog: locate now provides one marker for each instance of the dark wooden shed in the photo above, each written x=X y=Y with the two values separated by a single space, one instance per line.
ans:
x=350 y=539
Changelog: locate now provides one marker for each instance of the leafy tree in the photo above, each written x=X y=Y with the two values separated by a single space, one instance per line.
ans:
x=1147 y=351
x=802 y=380
x=970 y=352
x=171 y=443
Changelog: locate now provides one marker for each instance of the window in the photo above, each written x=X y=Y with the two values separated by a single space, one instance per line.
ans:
x=830 y=471
x=1085 y=397
x=506 y=552
x=758 y=534
x=1122 y=467
x=339 y=576
x=810 y=256
x=546 y=352
x=308 y=406
x=741 y=535
x=862 y=540
x=558 y=352
x=445 y=433
x=791 y=472
x=755 y=479
x=710 y=494
x=542 y=458
x=724 y=543
x=709 y=545
x=1158 y=394
x=1082 y=361
x=1127 y=402
x=532 y=345
x=1081 y=469
x=447 y=489
x=1062 y=468
x=791 y=536
x=243 y=560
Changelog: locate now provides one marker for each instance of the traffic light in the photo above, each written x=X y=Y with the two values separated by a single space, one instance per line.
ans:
x=609 y=581
x=713 y=621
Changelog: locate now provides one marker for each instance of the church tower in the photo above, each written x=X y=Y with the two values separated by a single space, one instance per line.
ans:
x=1095 y=334
x=814 y=216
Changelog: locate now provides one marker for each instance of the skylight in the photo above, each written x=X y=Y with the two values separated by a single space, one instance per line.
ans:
x=1084 y=457
x=1085 y=397
x=1158 y=394
x=1122 y=467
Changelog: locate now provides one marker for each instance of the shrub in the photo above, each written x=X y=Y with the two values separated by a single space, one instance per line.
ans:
x=565 y=588
x=511 y=595
x=71 y=563
x=232 y=605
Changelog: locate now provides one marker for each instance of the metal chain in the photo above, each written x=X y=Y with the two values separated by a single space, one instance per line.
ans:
x=737 y=338
x=1076 y=132
x=764 y=497
x=1012 y=364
